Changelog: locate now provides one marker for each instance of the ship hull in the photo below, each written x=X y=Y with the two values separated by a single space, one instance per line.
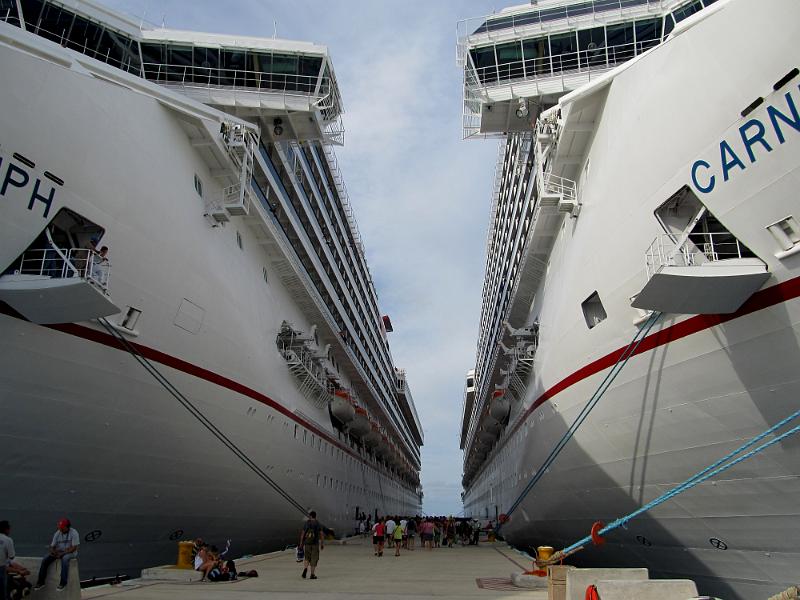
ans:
x=699 y=386
x=89 y=433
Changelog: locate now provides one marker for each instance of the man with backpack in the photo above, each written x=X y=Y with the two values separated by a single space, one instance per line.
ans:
x=312 y=542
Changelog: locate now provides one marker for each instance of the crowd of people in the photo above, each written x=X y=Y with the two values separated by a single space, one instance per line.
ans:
x=433 y=532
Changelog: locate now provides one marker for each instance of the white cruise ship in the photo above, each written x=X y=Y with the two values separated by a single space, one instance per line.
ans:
x=646 y=183
x=222 y=366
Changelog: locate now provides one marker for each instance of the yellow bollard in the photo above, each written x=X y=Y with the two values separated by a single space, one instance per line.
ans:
x=544 y=552
x=185 y=555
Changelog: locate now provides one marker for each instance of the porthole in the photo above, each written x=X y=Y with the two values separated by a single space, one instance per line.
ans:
x=593 y=311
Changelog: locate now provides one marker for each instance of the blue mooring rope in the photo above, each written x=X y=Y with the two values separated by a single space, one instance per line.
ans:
x=707 y=473
x=629 y=351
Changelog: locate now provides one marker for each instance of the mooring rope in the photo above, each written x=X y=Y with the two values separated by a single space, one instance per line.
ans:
x=723 y=464
x=197 y=414
x=622 y=360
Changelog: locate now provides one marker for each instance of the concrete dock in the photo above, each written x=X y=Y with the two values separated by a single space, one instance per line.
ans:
x=350 y=570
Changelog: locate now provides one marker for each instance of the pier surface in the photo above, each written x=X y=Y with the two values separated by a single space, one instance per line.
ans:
x=351 y=570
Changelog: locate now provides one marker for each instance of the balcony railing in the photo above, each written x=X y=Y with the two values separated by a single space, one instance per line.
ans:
x=54 y=263
x=697 y=249
x=571 y=63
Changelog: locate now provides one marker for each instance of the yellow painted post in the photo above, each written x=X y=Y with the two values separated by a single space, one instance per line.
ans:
x=185 y=555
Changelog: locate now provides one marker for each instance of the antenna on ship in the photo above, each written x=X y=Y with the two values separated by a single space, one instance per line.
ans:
x=274 y=29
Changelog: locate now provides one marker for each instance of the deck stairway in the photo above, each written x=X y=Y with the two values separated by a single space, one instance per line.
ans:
x=305 y=364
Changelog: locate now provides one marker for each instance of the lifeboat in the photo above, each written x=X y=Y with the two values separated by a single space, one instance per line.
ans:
x=492 y=425
x=372 y=438
x=383 y=446
x=360 y=425
x=342 y=406
x=499 y=406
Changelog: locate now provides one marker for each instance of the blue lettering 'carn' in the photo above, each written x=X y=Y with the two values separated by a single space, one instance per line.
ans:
x=750 y=139
x=728 y=159
x=711 y=180
x=775 y=115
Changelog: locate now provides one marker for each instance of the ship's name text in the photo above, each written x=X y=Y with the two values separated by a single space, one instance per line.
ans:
x=756 y=138
x=16 y=176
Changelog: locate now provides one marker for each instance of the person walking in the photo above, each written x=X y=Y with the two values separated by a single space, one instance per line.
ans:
x=312 y=542
x=397 y=534
x=64 y=547
x=389 y=531
x=380 y=533
x=411 y=528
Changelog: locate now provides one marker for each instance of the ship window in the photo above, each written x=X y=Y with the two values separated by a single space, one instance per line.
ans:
x=484 y=61
x=592 y=46
x=153 y=59
x=564 y=48
x=239 y=241
x=593 y=310
x=687 y=11
x=620 y=42
x=8 y=12
x=55 y=23
x=669 y=25
x=265 y=274
x=648 y=34
x=536 y=53
x=509 y=60
x=198 y=185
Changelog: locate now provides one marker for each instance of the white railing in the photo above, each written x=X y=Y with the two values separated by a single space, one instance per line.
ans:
x=344 y=197
x=699 y=248
x=240 y=79
x=559 y=186
x=55 y=263
x=580 y=62
x=498 y=25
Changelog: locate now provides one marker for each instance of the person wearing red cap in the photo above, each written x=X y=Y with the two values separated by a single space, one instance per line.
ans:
x=64 y=547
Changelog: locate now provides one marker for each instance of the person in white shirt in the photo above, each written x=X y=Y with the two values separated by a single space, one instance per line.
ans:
x=64 y=547
x=390 y=525
x=6 y=556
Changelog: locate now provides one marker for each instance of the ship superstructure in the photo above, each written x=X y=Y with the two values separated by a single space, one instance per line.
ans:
x=619 y=199
x=205 y=163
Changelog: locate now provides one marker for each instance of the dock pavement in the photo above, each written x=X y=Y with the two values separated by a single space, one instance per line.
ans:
x=348 y=570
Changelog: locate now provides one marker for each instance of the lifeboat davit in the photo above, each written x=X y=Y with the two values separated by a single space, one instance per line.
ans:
x=342 y=406
x=360 y=425
x=499 y=407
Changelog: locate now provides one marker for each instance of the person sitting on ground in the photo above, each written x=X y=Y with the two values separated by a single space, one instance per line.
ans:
x=64 y=547
x=198 y=543
x=205 y=561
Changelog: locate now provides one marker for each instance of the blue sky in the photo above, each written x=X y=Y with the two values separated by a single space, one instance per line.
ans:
x=421 y=195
